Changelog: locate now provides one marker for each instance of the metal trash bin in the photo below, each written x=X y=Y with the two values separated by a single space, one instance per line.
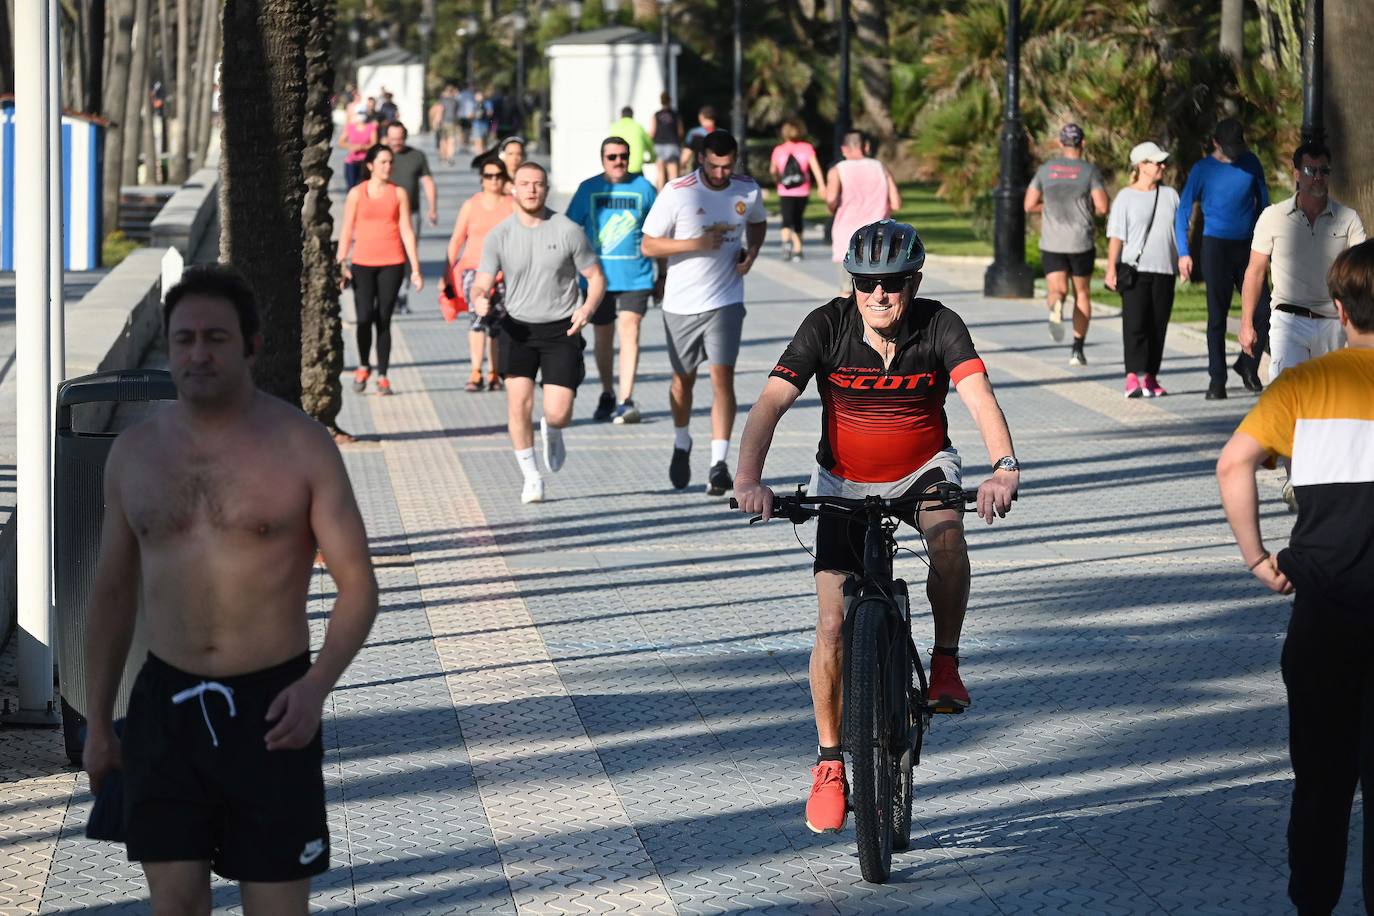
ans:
x=78 y=513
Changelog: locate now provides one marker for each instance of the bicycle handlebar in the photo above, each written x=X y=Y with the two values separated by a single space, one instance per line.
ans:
x=798 y=507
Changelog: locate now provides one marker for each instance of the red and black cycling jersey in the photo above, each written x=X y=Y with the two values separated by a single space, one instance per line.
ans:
x=880 y=424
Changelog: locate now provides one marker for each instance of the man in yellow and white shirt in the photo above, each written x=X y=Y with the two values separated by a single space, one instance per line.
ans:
x=1320 y=414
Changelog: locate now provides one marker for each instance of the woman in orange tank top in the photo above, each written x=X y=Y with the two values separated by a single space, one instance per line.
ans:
x=377 y=226
x=479 y=214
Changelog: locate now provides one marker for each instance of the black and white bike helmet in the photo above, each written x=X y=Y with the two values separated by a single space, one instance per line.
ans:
x=884 y=249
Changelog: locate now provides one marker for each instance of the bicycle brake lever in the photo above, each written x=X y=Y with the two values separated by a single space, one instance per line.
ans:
x=757 y=518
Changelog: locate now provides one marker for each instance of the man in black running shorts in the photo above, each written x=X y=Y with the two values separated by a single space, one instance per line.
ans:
x=214 y=510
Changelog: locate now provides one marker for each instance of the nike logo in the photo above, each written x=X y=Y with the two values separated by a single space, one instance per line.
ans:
x=312 y=851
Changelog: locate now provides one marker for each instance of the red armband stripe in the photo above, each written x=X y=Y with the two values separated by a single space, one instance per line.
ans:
x=966 y=368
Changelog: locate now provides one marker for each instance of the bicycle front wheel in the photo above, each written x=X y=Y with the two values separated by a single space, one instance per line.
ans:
x=868 y=738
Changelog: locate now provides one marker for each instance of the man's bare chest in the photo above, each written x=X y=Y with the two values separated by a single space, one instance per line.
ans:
x=176 y=497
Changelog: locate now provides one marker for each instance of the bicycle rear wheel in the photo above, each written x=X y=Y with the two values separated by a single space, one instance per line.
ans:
x=868 y=740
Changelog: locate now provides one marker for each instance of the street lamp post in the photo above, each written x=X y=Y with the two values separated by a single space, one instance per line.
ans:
x=1009 y=275
x=467 y=34
x=737 y=122
x=520 y=23
x=669 y=84
x=842 y=91
x=355 y=35
x=1313 y=102
x=425 y=26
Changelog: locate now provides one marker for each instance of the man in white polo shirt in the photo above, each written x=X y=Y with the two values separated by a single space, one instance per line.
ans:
x=1297 y=240
x=710 y=226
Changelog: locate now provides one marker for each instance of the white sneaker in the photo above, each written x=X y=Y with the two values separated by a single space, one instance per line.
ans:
x=533 y=491
x=1057 y=322
x=554 y=450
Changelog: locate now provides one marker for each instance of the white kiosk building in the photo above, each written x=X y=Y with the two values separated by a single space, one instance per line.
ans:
x=592 y=75
x=401 y=73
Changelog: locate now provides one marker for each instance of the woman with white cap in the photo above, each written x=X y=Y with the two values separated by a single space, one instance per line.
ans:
x=1142 y=258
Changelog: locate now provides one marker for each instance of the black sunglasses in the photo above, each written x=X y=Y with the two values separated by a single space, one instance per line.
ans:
x=892 y=284
x=617 y=157
x=491 y=174
x=1312 y=171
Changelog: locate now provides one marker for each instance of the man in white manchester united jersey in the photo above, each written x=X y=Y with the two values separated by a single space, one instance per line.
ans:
x=710 y=226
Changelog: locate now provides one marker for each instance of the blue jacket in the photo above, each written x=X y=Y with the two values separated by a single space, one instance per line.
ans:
x=1232 y=195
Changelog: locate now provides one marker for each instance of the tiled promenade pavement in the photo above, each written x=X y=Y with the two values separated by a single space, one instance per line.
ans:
x=600 y=703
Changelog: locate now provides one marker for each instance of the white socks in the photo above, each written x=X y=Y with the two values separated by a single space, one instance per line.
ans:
x=720 y=448
x=528 y=466
x=682 y=438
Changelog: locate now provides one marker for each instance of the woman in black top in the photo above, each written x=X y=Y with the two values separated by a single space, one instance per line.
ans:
x=667 y=141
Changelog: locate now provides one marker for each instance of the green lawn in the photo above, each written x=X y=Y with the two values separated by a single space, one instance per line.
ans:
x=949 y=231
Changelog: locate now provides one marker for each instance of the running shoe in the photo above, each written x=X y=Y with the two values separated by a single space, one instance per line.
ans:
x=627 y=412
x=1290 y=499
x=555 y=452
x=1133 y=387
x=828 y=804
x=946 y=689
x=1076 y=357
x=384 y=386
x=360 y=379
x=1057 y=322
x=1153 y=387
x=798 y=255
x=680 y=468
x=718 y=480
x=605 y=407
x=533 y=491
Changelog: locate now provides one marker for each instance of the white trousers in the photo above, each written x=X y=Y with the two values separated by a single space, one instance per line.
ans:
x=1295 y=339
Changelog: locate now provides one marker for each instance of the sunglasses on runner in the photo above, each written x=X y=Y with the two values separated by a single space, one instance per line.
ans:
x=617 y=157
x=491 y=175
x=892 y=284
x=1312 y=171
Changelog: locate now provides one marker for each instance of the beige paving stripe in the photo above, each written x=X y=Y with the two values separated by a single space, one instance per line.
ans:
x=565 y=841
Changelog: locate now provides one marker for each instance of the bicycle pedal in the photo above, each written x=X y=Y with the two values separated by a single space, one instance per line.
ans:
x=947 y=709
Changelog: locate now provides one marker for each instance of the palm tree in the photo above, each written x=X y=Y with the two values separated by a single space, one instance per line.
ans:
x=116 y=100
x=261 y=190
x=1349 y=111
x=322 y=347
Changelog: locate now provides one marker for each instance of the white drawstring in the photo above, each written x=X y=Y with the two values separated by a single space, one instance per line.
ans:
x=199 y=691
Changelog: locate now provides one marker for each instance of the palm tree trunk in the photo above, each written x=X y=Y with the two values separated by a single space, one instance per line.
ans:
x=137 y=88
x=116 y=99
x=261 y=191
x=212 y=51
x=179 y=90
x=322 y=345
x=1349 y=106
x=6 y=48
x=875 y=71
x=1232 y=40
x=92 y=93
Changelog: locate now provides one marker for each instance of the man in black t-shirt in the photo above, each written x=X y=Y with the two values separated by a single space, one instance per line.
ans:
x=883 y=362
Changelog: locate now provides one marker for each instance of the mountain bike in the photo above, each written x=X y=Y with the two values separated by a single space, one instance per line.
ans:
x=886 y=706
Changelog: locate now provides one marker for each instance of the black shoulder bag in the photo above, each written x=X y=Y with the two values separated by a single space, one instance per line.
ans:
x=1128 y=274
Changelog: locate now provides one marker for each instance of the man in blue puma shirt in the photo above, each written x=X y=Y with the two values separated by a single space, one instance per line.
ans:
x=611 y=208
x=1230 y=186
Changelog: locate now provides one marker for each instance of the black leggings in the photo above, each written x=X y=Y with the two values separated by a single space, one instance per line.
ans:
x=1145 y=310
x=374 y=295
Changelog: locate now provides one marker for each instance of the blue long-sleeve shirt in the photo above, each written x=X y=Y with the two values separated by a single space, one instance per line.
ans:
x=1232 y=195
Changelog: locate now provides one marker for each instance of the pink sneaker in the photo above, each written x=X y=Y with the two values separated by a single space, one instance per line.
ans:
x=1133 y=386
x=1153 y=387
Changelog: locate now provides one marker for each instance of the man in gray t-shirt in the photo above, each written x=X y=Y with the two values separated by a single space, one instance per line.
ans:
x=1067 y=191
x=410 y=172
x=541 y=254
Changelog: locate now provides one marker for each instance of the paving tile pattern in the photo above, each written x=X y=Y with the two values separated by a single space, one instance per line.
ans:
x=601 y=703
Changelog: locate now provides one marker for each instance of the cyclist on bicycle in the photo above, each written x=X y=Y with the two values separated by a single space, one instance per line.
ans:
x=884 y=361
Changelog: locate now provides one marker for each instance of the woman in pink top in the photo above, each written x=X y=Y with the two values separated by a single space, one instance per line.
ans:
x=792 y=165
x=859 y=191
x=478 y=215
x=359 y=135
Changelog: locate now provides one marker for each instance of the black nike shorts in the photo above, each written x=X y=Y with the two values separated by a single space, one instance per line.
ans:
x=200 y=784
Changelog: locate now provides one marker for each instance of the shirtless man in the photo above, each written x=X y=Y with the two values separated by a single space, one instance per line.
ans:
x=214 y=508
